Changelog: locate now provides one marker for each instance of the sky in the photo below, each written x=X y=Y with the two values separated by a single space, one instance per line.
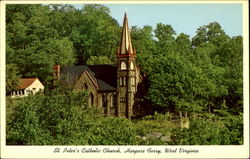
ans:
x=184 y=18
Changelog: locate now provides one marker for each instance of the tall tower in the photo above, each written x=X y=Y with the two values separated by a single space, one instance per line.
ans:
x=126 y=73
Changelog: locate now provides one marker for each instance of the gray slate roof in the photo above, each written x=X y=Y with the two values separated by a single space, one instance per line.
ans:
x=104 y=75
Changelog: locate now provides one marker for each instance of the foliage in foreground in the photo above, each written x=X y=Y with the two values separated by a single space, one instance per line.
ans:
x=211 y=131
x=63 y=118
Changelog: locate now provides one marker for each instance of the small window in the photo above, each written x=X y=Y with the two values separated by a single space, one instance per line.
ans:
x=121 y=81
x=123 y=99
x=91 y=100
x=104 y=101
x=123 y=65
x=133 y=81
x=85 y=86
x=124 y=81
x=111 y=101
x=132 y=65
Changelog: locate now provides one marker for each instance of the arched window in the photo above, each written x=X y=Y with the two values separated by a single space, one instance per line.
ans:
x=123 y=65
x=121 y=81
x=104 y=101
x=111 y=101
x=91 y=100
x=132 y=67
x=124 y=81
x=85 y=86
x=133 y=81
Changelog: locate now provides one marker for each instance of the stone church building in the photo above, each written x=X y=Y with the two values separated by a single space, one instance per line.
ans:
x=118 y=89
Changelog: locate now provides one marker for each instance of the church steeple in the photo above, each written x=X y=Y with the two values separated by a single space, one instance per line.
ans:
x=125 y=45
x=126 y=73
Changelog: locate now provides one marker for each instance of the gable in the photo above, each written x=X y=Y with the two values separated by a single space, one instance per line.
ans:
x=103 y=77
x=36 y=85
x=30 y=83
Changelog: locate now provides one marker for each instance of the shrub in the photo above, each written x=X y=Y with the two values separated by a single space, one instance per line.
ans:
x=51 y=119
x=113 y=131
x=207 y=131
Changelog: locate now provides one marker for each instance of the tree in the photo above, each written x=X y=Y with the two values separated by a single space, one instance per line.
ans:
x=207 y=131
x=165 y=35
x=96 y=35
x=143 y=40
x=231 y=58
x=64 y=18
x=12 y=78
x=211 y=33
x=177 y=85
x=184 y=46
x=97 y=60
x=32 y=44
x=54 y=118
x=63 y=117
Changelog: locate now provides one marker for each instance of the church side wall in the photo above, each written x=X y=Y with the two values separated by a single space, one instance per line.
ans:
x=84 y=83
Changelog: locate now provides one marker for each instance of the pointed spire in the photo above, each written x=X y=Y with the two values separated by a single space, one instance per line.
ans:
x=125 y=45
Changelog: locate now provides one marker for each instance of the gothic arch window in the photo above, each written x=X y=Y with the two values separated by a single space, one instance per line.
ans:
x=121 y=81
x=104 y=101
x=85 y=86
x=124 y=81
x=133 y=81
x=91 y=100
x=111 y=101
x=123 y=65
x=132 y=67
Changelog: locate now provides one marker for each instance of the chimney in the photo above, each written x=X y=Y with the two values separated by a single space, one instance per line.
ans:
x=56 y=71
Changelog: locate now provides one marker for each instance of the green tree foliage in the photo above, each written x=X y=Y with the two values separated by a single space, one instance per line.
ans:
x=177 y=84
x=142 y=40
x=199 y=74
x=64 y=19
x=12 y=78
x=32 y=44
x=165 y=35
x=53 y=118
x=144 y=43
x=96 y=35
x=192 y=75
x=113 y=131
x=39 y=36
x=96 y=60
x=230 y=55
x=211 y=131
x=184 y=47
x=211 y=33
x=62 y=117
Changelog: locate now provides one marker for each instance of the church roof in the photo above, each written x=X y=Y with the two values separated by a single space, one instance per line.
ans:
x=126 y=44
x=103 y=75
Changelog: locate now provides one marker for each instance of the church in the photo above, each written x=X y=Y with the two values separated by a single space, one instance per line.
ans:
x=118 y=89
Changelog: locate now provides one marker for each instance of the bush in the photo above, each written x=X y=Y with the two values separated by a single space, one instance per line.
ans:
x=63 y=118
x=207 y=131
x=113 y=131
x=155 y=123
x=48 y=119
x=23 y=123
